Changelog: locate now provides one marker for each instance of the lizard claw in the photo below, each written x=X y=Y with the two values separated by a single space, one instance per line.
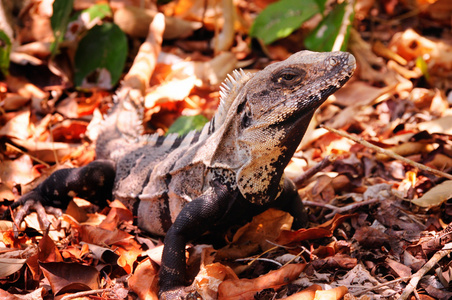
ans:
x=179 y=293
x=32 y=202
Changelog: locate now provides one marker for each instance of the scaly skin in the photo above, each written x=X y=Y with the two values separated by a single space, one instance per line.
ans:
x=230 y=171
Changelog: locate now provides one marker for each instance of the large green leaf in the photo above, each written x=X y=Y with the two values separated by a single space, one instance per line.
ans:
x=59 y=20
x=322 y=38
x=103 y=47
x=100 y=11
x=281 y=18
x=185 y=124
x=5 y=50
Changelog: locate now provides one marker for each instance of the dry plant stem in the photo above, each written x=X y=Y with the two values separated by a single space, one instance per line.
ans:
x=303 y=178
x=343 y=29
x=343 y=209
x=447 y=249
x=391 y=154
x=381 y=285
x=85 y=293
x=31 y=156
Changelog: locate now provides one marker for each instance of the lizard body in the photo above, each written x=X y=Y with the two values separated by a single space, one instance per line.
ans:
x=230 y=170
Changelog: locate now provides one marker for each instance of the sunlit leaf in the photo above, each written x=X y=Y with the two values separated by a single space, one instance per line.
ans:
x=5 y=50
x=322 y=38
x=59 y=20
x=185 y=124
x=103 y=47
x=436 y=195
x=422 y=65
x=280 y=19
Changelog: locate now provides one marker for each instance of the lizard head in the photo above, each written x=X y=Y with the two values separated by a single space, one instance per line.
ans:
x=274 y=113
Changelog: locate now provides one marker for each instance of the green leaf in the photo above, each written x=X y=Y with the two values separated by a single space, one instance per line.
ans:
x=59 y=20
x=185 y=124
x=321 y=4
x=5 y=50
x=103 y=47
x=422 y=65
x=322 y=38
x=281 y=18
x=98 y=11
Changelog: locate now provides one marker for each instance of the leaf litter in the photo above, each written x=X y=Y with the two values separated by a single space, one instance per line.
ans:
x=379 y=226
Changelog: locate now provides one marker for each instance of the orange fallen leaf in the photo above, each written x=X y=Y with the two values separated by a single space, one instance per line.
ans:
x=246 y=288
x=260 y=232
x=324 y=230
x=306 y=294
x=144 y=281
x=333 y=294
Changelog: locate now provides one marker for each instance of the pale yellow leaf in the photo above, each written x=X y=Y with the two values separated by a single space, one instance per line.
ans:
x=436 y=195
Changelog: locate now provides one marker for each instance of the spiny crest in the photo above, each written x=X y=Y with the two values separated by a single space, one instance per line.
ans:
x=229 y=90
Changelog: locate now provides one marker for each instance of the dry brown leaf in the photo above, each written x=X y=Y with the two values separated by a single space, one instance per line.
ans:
x=324 y=230
x=436 y=195
x=441 y=125
x=17 y=127
x=210 y=277
x=48 y=251
x=144 y=280
x=135 y=21
x=70 y=277
x=99 y=236
x=35 y=295
x=17 y=171
x=246 y=288
x=263 y=228
x=127 y=258
x=399 y=269
x=306 y=294
x=333 y=294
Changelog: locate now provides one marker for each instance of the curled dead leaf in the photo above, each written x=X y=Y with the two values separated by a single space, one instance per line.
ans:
x=246 y=288
x=436 y=195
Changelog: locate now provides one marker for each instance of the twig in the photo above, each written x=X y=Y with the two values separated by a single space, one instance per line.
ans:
x=378 y=286
x=300 y=180
x=391 y=154
x=85 y=293
x=31 y=156
x=447 y=249
x=343 y=209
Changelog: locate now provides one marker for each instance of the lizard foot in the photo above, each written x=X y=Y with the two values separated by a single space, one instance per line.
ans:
x=29 y=203
x=179 y=293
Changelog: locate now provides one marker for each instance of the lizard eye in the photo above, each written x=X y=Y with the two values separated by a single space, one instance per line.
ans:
x=288 y=76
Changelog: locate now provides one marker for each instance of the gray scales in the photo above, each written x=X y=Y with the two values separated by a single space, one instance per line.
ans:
x=229 y=171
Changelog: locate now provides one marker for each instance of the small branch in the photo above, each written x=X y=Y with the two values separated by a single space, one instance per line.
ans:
x=85 y=293
x=447 y=249
x=379 y=286
x=391 y=154
x=336 y=210
x=31 y=156
x=301 y=180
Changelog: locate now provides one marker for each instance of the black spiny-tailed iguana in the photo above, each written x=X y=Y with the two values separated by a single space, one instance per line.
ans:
x=231 y=170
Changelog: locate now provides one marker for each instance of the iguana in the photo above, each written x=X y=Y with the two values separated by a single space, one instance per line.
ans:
x=229 y=171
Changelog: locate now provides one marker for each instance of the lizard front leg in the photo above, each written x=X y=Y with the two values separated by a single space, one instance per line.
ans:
x=93 y=182
x=290 y=201
x=195 y=219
